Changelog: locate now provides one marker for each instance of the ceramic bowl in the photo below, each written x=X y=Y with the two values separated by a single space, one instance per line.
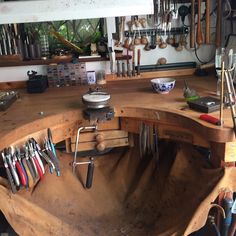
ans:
x=163 y=85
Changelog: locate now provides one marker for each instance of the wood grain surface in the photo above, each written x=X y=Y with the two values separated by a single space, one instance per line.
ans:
x=61 y=109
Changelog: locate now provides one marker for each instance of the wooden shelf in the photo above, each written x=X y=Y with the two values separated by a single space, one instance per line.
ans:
x=153 y=74
x=7 y=63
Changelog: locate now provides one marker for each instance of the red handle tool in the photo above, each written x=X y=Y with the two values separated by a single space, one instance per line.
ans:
x=38 y=168
x=21 y=174
x=210 y=119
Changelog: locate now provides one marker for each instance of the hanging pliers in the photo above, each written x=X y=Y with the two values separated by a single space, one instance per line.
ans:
x=12 y=165
x=19 y=168
x=51 y=151
x=9 y=175
x=35 y=160
x=43 y=155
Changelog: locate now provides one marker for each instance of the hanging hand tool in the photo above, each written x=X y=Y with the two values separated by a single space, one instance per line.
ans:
x=123 y=69
x=36 y=154
x=36 y=162
x=12 y=166
x=52 y=157
x=207 y=34
x=192 y=28
x=183 y=12
x=138 y=66
x=219 y=24
x=222 y=93
x=231 y=96
x=90 y=171
x=18 y=156
x=128 y=65
x=52 y=148
x=43 y=155
x=199 y=27
x=133 y=63
x=9 y=175
x=27 y=161
x=89 y=128
x=118 y=68
x=19 y=169
x=227 y=205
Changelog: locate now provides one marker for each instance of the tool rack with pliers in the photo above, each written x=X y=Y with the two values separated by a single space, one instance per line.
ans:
x=26 y=166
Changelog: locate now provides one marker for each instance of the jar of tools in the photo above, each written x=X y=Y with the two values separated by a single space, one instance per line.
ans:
x=44 y=43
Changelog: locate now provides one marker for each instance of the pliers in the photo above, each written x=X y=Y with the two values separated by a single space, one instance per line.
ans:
x=19 y=168
x=51 y=151
x=35 y=161
x=31 y=164
x=43 y=155
x=9 y=175
x=12 y=165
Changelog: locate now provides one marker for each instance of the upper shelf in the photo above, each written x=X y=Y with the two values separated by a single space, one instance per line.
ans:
x=5 y=63
x=54 y=10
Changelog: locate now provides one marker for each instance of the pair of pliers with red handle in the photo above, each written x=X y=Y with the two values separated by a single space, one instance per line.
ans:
x=43 y=155
x=19 y=168
x=38 y=166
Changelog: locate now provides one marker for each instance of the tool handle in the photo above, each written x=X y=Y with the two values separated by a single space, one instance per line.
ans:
x=118 y=68
x=227 y=205
x=192 y=32
x=39 y=161
x=25 y=173
x=232 y=229
x=21 y=174
x=139 y=56
x=207 y=35
x=14 y=175
x=11 y=181
x=133 y=69
x=31 y=166
x=40 y=172
x=55 y=162
x=90 y=171
x=48 y=160
x=219 y=23
x=199 y=28
x=30 y=176
x=123 y=69
x=210 y=119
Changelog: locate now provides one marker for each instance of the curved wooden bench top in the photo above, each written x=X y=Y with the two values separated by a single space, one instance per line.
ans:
x=62 y=107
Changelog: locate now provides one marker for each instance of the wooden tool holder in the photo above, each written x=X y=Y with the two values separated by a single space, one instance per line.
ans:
x=152 y=32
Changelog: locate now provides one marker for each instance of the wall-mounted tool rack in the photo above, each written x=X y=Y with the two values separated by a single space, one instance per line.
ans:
x=152 y=32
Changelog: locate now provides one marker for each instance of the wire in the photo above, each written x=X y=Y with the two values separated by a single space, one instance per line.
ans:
x=202 y=62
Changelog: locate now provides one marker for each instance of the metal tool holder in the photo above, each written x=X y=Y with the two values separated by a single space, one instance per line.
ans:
x=154 y=32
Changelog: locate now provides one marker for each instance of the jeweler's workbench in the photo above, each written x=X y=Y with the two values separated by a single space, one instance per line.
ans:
x=61 y=109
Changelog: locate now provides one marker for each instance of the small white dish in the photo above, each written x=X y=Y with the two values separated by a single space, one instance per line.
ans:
x=163 y=85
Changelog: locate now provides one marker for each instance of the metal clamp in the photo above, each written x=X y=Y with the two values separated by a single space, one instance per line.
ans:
x=92 y=128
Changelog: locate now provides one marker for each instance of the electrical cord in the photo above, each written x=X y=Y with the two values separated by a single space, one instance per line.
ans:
x=202 y=62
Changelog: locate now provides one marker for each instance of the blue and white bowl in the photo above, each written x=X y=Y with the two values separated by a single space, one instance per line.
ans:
x=163 y=85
